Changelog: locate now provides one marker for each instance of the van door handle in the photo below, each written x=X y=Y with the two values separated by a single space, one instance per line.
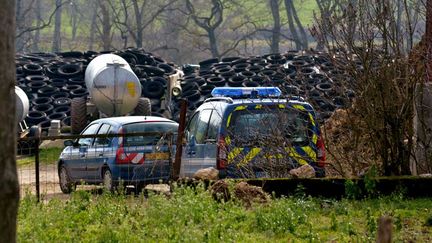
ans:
x=101 y=154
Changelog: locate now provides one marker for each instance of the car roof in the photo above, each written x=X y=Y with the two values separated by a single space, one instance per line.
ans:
x=122 y=120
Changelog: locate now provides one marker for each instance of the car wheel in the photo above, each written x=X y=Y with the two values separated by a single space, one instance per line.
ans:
x=66 y=185
x=108 y=181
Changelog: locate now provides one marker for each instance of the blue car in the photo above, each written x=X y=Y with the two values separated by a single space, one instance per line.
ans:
x=122 y=160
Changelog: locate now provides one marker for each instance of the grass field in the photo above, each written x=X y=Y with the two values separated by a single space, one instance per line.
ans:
x=46 y=156
x=193 y=216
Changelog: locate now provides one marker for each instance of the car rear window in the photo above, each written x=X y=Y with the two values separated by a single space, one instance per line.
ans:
x=269 y=124
x=142 y=127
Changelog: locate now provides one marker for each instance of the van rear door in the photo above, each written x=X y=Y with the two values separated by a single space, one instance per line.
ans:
x=266 y=140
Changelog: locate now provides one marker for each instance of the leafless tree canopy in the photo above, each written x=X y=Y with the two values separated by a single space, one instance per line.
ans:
x=185 y=31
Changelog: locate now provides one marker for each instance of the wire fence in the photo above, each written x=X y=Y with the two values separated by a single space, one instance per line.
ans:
x=55 y=165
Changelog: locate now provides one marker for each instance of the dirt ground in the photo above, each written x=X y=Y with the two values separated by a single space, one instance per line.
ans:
x=49 y=183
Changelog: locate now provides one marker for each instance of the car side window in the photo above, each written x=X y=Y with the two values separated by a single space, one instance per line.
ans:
x=214 y=125
x=102 y=141
x=90 y=130
x=202 y=126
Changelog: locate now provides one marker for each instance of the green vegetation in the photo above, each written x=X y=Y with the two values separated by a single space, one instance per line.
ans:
x=190 y=215
x=46 y=156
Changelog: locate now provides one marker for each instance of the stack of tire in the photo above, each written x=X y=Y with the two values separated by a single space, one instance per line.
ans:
x=309 y=75
x=51 y=81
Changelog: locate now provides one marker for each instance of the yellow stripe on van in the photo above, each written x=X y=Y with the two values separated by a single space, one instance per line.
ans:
x=312 y=119
x=240 y=108
x=249 y=156
x=258 y=107
x=314 y=138
x=234 y=153
x=293 y=153
x=228 y=140
x=310 y=152
x=299 y=107
x=282 y=106
x=229 y=119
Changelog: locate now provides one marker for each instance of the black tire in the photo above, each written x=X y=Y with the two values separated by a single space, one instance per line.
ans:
x=66 y=184
x=42 y=101
x=153 y=71
x=64 y=109
x=35 y=117
x=82 y=92
x=69 y=70
x=32 y=68
x=153 y=89
x=78 y=115
x=62 y=102
x=47 y=91
x=47 y=108
x=143 y=107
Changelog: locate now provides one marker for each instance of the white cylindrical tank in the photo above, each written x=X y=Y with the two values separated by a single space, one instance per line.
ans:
x=22 y=104
x=113 y=86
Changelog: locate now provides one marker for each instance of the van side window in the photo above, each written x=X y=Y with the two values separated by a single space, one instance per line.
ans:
x=214 y=125
x=202 y=126
x=192 y=126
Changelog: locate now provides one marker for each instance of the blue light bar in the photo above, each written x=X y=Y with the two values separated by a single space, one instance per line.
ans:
x=251 y=92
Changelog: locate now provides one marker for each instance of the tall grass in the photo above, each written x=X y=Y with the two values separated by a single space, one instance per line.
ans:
x=191 y=215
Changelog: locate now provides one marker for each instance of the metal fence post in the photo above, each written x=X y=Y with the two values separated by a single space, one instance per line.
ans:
x=37 y=141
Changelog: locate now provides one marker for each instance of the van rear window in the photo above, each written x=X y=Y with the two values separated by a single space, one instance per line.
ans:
x=142 y=127
x=268 y=124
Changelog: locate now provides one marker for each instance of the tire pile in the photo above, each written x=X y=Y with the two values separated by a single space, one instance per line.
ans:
x=51 y=81
x=309 y=75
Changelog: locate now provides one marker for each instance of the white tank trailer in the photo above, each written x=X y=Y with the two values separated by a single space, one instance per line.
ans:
x=113 y=86
x=22 y=104
x=114 y=90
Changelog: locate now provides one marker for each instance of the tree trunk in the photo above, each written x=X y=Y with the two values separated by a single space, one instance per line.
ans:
x=36 y=37
x=276 y=32
x=291 y=25
x=106 y=26
x=74 y=19
x=213 y=43
x=303 y=35
x=9 y=188
x=20 y=22
x=93 y=24
x=56 y=47
x=138 y=23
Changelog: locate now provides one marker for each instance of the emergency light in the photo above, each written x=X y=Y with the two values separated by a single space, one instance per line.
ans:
x=246 y=92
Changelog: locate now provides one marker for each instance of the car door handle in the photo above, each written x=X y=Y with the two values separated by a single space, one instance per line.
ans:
x=191 y=152
x=100 y=155
x=82 y=155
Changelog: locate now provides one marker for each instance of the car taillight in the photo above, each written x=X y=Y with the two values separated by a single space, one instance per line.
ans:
x=121 y=156
x=221 y=154
x=321 y=154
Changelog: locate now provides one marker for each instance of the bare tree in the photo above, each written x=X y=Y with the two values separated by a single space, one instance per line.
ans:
x=295 y=26
x=367 y=48
x=56 y=46
x=145 y=13
x=9 y=188
x=106 y=22
x=276 y=31
x=209 y=23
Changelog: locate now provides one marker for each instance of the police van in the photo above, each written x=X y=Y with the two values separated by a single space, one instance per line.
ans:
x=252 y=132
